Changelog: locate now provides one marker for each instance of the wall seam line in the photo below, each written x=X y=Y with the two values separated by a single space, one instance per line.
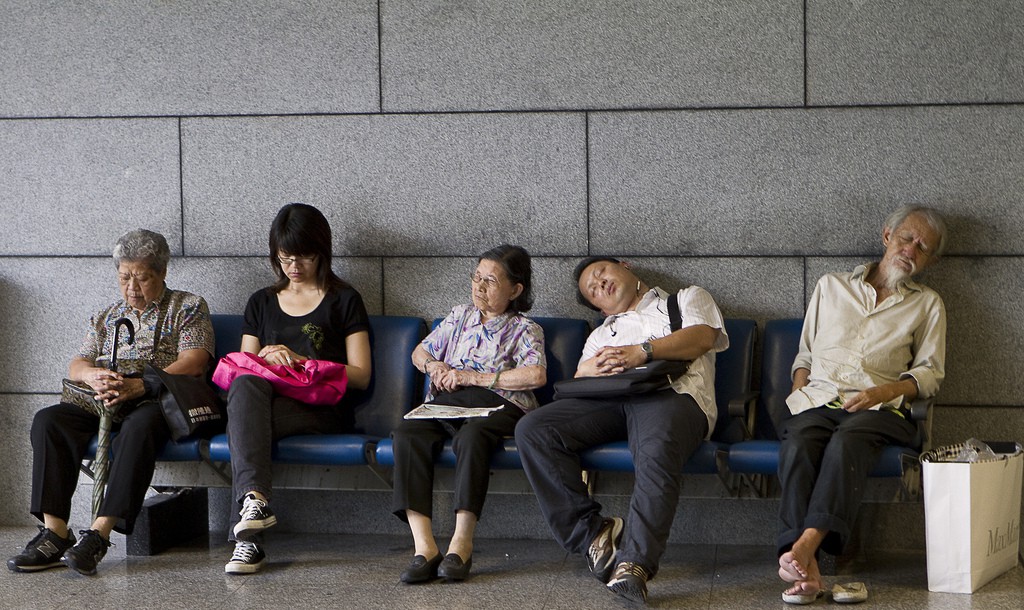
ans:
x=181 y=186
x=586 y=173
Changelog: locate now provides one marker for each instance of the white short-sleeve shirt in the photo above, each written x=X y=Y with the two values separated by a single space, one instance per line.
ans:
x=650 y=321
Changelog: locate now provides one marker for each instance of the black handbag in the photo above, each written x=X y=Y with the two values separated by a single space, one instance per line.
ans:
x=190 y=404
x=650 y=377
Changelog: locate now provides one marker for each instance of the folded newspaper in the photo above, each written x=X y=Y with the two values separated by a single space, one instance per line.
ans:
x=435 y=411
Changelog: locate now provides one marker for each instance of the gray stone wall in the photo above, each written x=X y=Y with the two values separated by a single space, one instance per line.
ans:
x=744 y=145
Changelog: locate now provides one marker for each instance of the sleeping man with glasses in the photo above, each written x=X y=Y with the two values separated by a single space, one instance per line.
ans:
x=872 y=341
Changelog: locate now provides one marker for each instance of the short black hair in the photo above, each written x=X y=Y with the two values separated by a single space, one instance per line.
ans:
x=580 y=268
x=299 y=229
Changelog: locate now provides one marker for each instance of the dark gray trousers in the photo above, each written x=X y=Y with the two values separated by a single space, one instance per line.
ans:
x=257 y=417
x=663 y=430
x=824 y=462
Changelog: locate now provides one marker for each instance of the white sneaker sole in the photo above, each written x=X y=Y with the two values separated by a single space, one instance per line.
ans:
x=243 y=568
x=246 y=529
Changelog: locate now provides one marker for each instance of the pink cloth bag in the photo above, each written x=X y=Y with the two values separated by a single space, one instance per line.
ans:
x=316 y=382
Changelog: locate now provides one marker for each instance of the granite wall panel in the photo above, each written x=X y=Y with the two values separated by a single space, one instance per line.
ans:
x=120 y=58
x=798 y=182
x=757 y=288
x=47 y=303
x=920 y=52
x=73 y=187
x=564 y=54
x=390 y=185
x=16 y=413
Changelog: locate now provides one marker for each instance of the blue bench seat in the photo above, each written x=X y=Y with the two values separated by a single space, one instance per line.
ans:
x=393 y=390
x=563 y=343
x=188 y=450
x=760 y=457
x=565 y=339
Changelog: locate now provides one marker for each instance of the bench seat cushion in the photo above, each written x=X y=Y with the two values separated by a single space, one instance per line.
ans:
x=762 y=457
x=320 y=449
x=189 y=450
x=506 y=457
x=615 y=457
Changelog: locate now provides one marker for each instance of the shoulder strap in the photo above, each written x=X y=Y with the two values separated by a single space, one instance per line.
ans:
x=675 y=318
x=165 y=304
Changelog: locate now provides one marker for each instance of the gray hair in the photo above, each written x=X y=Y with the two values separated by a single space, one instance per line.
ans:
x=143 y=246
x=931 y=215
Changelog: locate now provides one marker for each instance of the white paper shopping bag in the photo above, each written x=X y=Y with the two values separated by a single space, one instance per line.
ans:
x=972 y=520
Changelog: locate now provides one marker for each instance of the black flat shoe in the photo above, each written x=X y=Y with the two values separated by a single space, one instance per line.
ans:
x=421 y=570
x=453 y=568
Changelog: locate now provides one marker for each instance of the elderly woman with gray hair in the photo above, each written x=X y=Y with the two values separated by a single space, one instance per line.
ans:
x=173 y=333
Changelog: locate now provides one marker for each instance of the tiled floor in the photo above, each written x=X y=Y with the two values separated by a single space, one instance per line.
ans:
x=308 y=571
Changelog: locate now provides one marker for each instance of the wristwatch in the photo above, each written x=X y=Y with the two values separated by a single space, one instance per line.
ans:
x=648 y=351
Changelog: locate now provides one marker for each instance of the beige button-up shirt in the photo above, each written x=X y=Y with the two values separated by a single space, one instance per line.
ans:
x=849 y=344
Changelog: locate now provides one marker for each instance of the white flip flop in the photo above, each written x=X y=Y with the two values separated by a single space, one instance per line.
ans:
x=802 y=599
x=849 y=593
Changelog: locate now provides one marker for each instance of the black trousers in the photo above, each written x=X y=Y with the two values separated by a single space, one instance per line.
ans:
x=663 y=430
x=824 y=462
x=60 y=439
x=417 y=442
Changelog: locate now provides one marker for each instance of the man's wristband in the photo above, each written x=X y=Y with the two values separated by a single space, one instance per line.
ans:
x=648 y=351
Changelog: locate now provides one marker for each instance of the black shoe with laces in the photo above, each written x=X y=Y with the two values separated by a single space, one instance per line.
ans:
x=629 y=581
x=602 y=550
x=248 y=558
x=256 y=517
x=42 y=552
x=84 y=556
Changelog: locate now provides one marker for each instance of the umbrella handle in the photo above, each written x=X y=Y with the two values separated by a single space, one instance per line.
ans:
x=117 y=332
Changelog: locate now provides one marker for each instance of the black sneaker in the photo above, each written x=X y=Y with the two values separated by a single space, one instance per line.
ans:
x=84 y=556
x=248 y=558
x=42 y=552
x=601 y=554
x=256 y=517
x=629 y=581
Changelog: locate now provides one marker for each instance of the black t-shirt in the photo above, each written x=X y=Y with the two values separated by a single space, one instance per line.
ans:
x=320 y=334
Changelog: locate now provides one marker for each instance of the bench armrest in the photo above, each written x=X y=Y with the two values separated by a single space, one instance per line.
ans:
x=921 y=409
x=742 y=408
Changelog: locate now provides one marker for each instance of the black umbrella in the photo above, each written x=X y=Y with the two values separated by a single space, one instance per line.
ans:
x=102 y=461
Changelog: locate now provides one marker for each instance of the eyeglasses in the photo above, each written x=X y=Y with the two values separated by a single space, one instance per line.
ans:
x=142 y=278
x=490 y=283
x=292 y=260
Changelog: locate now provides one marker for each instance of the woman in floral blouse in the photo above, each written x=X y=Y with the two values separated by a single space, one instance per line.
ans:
x=482 y=354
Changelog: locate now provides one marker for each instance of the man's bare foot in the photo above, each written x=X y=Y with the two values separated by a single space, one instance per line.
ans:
x=790 y=568
x=799 y=563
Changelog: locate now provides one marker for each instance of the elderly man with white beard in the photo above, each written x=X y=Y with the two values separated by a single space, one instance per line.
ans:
x=872 y=341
